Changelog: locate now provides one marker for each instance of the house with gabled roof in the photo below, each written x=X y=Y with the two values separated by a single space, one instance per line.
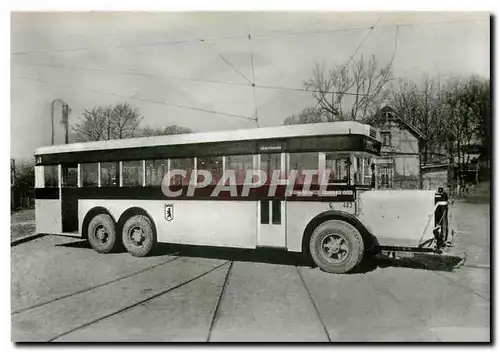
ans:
x=399 y=165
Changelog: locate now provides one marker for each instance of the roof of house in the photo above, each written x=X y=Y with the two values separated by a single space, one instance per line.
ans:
x=414 y=130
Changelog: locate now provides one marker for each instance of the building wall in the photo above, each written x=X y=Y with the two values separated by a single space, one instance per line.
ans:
x=403 y=152
x=432 y=180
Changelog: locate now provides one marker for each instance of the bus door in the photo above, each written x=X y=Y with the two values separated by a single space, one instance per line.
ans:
x=69 y=197
x=271 y=210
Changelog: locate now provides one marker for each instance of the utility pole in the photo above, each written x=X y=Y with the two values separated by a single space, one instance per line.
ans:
x=52 y=115
x=108 y=122
x=65 y=120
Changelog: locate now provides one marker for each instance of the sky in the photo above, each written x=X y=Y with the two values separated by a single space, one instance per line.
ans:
x=207 y=61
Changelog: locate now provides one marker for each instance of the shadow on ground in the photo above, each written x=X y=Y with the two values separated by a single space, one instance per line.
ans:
x=281 y=257
x=422 y=261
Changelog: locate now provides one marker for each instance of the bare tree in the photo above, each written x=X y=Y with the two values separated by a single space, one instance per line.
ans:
x=362 y=81
x=124 y=120
x=422 y=105
x=172 y=129
x=468 y=107
x=92 y=125
x=108 y=122
x=308 y=115
x=175 y=129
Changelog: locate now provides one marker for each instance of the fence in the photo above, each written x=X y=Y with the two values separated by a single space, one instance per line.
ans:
x=20 y=199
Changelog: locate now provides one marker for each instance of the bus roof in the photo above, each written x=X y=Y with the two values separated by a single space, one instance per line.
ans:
x=289 y=131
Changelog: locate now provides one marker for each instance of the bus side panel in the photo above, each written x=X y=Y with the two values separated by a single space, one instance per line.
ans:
x=398 y=217
x=211 y=223
x=299 y=214
x=48 y=216
x=202 y=222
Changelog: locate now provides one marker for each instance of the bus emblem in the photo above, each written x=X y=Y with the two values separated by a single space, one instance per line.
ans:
x=169 y=212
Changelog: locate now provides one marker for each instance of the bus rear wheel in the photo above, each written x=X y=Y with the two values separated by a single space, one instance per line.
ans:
x=336 y=246
x=102 y=233
x=138 y=235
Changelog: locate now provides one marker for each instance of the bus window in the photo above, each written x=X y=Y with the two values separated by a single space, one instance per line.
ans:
x=357 y=170
x=269 y=163
x=155 y=170
x=70 y=176
x=181 y=164
x=367 y=173
x=132 y=173
x=88 y=176
x=302 y=162
x=240 y=164
x=51 y=177
x=212 y=164
x=338 y=165
x=109 y=174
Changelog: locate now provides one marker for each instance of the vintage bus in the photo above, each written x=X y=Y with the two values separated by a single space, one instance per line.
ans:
x=113 y=192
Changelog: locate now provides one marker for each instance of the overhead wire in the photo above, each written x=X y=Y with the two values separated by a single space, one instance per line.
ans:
x=253 y=79
x=362 y=42
x=253 y=85
x=133 y=73
x=239 y=37
x=230 y=65
x=137 y=98
x=156 y=76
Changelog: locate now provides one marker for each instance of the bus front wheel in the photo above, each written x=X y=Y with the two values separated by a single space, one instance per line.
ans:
x=336 y=246
x=138 y=235
x=102 y=233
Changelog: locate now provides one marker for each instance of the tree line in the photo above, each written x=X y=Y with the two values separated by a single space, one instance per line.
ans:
x=117 y=122
x=454 y=114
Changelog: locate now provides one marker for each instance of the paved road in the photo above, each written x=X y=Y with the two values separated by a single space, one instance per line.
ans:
x=64 y=291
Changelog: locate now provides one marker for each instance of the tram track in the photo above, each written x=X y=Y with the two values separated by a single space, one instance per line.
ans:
x=309 y=294
x=215 y=314
x=459 y=284
x=136 y=304
x=174 y=256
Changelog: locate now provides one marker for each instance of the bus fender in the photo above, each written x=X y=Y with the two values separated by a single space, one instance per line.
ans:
x=90 y=215
x=370 y=241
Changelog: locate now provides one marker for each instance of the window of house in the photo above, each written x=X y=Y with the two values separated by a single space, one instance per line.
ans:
x=211 y=164
x=338 y=165
x=386 y=138
x=240 y=164
x=89 y=174
x=51 y=176
x=302 y=162
x=132 y=173
x=386 y=175
x=155 y=170
x=181 y=164
x=367 y=172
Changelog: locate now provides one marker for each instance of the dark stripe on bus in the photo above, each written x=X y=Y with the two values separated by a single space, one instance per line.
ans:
x=264 y=212
x=155 y=193
x=340 y=143
x=276 y=210
x=46 y=193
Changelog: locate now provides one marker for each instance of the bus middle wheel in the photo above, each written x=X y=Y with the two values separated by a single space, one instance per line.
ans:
x=138 y=235
x=336 y=246
x=102 y=233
